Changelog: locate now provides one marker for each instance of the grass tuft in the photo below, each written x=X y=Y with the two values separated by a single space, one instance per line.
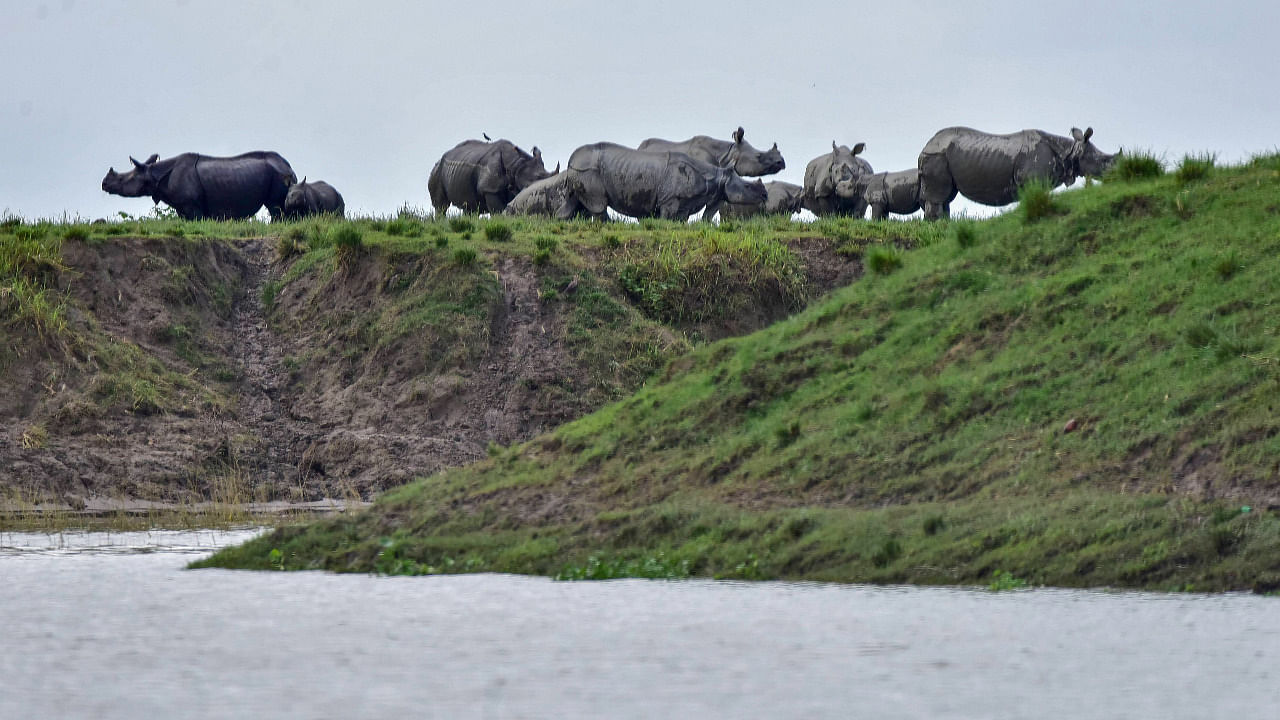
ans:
x=497 y=231
x=1136 y=165
x=1195 y=167
x=883 y=260
x=1035 y=200
x=464 y=257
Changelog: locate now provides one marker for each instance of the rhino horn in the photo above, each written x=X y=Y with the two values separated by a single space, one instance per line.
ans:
x=857 y=149
x=557 y=170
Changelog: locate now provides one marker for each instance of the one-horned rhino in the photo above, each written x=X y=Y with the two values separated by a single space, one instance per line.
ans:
x=200 y=187
x=313 y=198
x=642 y=184
x=823 y=172
x=990 y=169
x=479 y=177
x=737 y=154
x=886 y=192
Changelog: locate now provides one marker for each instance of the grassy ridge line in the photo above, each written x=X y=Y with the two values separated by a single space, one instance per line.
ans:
x=911 y=428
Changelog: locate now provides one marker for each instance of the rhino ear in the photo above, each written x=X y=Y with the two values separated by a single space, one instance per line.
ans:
x=152 y=160
x=857 y=149
x=537 y=154
x=304 y=180
x=557 y=170
x=737 y=136
x=833 y=145
x=1077 y=135
x=135 y=162
x=775 y=146
x=1088 y=133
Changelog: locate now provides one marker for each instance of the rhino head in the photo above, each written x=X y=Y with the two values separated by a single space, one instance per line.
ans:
x=295 y=199
x=852 y=186
x=741 y=192
x=524 y=169
x=141 y=180
x=750 y=162
x=1084 y=158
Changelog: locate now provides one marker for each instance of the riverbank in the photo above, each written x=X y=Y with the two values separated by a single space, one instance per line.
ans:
x=180 y=363
x=1078 y=396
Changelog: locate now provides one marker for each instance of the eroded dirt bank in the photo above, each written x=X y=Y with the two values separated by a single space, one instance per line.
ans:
x=196 y=369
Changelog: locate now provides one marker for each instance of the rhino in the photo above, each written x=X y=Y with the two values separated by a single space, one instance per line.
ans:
x=544 y=197
x=313 y=198
x=886 y=192
x=479 y=176
x=738 y=154
x=822 y=174
x=783 y=198
x=200 y=187
x=644 y=183
x=989 y=169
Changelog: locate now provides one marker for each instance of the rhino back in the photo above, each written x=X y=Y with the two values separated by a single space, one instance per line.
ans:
x=236 y=187
x=783 y=197
x=544 y=197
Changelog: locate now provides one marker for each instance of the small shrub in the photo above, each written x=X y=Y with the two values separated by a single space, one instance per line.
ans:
x=1200 y=335
x=176 y=231
x=541 y=257
x=934 y=524
x=1195 y=167
x=348 y=242
x=396 y=227
x=890 y=549
x=965 y=233
x=1136 y=165
x=35 y=437
x=1002 y=580
x=460 y=224
x=612 y=241
x=76 y=232
x=465 y=257
x=883 y=260
x=1035 y=200
x=496 y=231
x=787 y=434
x=291 y=243
x=546 y=242
x=1227 y=266
x=442 y=241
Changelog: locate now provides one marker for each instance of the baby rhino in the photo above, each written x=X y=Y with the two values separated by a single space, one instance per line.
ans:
x=316 y=198
x=886 y=192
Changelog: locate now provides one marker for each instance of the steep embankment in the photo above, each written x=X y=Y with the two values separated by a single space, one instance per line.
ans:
x=174 y=362
x=1087 y=398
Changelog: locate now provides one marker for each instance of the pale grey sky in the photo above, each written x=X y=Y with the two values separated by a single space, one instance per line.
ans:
x=368 y=95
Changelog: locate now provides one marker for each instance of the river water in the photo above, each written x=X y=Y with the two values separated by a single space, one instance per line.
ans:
x=96 y=625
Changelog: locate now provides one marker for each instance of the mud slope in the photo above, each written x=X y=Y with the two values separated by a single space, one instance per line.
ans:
x=197 y=368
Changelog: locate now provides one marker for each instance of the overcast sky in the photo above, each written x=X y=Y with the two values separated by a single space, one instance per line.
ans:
x=368 y=95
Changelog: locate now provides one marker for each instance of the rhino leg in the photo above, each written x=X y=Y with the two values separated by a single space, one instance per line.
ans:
x=435 y=186
x=710 y=211
x=494 y=203
x=937 y=188
x=879 y=211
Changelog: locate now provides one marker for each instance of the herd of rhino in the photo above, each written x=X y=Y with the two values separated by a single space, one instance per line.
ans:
x=659 y=179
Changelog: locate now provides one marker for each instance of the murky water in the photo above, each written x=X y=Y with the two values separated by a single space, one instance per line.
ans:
x=112 y=626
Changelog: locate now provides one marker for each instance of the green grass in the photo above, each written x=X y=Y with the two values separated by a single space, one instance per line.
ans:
x=1194 y=168
x=909 y=428
x=1036 y=201
x=1136 y=165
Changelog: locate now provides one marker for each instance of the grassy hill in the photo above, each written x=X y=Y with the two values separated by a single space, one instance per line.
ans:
x=1081 y=395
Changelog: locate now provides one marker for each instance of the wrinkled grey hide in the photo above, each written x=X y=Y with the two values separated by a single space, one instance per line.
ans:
x=642 y=183
x=784 y=198
x=200 y=187
x=313 y=198
x=737 y=154
x=822 y=174
x=989 y=169
x=480 y=177
x=544 y=197
x=886 y=192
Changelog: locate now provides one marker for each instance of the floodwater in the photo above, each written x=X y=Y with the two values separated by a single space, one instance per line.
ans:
x=96 y=625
